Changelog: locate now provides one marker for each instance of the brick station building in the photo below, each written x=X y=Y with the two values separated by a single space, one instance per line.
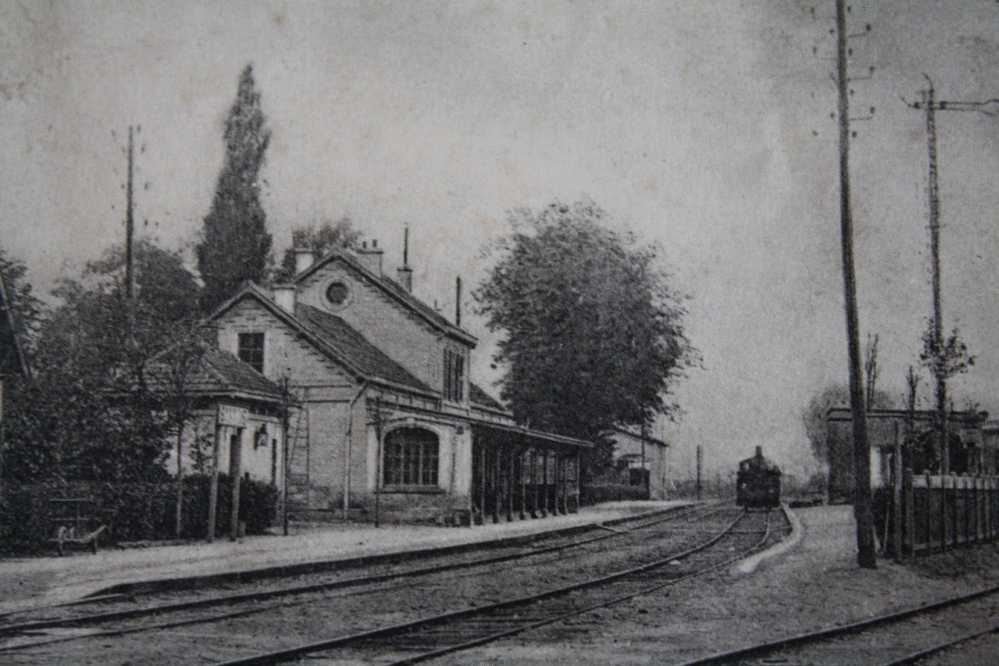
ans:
x=387 y=419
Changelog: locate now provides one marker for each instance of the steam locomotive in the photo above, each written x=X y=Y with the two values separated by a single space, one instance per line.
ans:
x=758 y=483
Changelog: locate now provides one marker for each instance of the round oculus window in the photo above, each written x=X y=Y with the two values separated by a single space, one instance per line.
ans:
x=337 y=294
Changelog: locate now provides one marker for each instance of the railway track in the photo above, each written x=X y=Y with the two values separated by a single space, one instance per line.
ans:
x=71 y=621
x=903 y=637
x=434 y=636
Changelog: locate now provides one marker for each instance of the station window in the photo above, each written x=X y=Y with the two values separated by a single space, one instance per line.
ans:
x=454 y=375
x=410 y=458
x=251 y=350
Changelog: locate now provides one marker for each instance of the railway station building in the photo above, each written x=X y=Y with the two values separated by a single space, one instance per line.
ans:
x=386 y=422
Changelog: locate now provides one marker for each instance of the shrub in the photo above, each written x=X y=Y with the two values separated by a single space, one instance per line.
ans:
x=133 y=511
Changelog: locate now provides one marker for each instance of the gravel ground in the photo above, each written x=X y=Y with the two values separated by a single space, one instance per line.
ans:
x=314 y=616
x=27 y=582
x=816 y=585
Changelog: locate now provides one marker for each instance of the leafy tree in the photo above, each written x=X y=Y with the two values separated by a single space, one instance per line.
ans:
x=89 y=413
x=592 y=333
x=944 y=358
x=320 y=239
x=172 y=375
x=235 y=245
x=27 y=308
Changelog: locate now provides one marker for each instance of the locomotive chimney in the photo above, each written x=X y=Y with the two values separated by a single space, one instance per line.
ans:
x=759 y=451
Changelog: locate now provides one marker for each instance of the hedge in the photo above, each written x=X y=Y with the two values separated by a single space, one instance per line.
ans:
x=133 y=511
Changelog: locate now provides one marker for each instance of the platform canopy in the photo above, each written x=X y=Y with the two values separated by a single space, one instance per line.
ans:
x=531 y=437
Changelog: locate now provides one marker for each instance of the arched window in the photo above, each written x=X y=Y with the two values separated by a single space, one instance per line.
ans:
x=410 y=458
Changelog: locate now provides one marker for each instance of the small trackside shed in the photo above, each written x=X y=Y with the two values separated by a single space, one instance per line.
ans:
x=970 y=451
x=643 y=455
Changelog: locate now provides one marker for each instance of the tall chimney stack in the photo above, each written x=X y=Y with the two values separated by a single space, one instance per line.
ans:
x=284 y=296
x=457 y=301
x=404 y=272
x=370 y=258
x=303 y=259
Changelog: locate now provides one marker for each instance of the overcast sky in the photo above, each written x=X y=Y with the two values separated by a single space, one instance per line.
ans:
x=692 y=124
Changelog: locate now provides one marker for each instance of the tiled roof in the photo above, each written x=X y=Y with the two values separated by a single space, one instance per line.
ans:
x=218 y=373
x=417 y=304
x=339 y=335
x=480 y=397
x=392 y=287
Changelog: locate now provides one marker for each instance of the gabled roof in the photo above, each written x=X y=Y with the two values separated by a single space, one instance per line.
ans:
x=638 y=435
x=395 y=290
x=369 y=359
x=335 y=339
x=479 y=397
x=12 y=356
x=218 y=373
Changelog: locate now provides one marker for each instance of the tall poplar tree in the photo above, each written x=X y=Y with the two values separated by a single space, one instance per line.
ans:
x=235 y=245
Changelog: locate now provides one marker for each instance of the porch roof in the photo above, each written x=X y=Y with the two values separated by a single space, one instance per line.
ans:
x=530 y=434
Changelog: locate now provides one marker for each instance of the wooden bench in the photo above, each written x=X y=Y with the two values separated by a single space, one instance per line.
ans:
x=75 y=524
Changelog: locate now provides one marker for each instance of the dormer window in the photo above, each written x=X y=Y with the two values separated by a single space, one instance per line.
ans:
x=251 y=350
x=454 y=375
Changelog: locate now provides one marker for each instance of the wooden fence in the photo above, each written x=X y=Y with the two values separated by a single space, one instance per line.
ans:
x=926 y=513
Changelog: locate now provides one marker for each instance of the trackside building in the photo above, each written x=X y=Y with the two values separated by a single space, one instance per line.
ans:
x=385 y=418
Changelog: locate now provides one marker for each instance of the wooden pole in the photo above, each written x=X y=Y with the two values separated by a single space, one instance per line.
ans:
x=910 y=512
x=378 y=460
x=897 y=495
x=522 y=479
x=213 y=489
x=482 y=482
x=544 y=484
x=700 y=465
x=236 y=471
x=285 y=418
x=534 y=483
x=494 y=473
x=508 y=486
x=866 y=555
x=129 y=240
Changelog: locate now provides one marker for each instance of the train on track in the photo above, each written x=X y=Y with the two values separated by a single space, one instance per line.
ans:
x=758 y=483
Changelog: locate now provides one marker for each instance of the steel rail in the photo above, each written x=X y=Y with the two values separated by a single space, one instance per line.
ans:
x=820 y=635
x=360 y=581
x=617 y=600
x=443 y=618
x=940 y=647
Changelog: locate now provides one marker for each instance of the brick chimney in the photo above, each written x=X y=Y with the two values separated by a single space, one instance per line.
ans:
x=404 y=273
x=303 y=259
x=371 y=258
x=284 y=296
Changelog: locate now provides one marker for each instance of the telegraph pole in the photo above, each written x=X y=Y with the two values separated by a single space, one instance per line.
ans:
x=129 y=236
x=930 y=105
x=933 y=190
x=700 y=465
x=866 y=556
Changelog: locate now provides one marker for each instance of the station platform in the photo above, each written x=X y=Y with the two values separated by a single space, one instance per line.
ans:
x=35 y=581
